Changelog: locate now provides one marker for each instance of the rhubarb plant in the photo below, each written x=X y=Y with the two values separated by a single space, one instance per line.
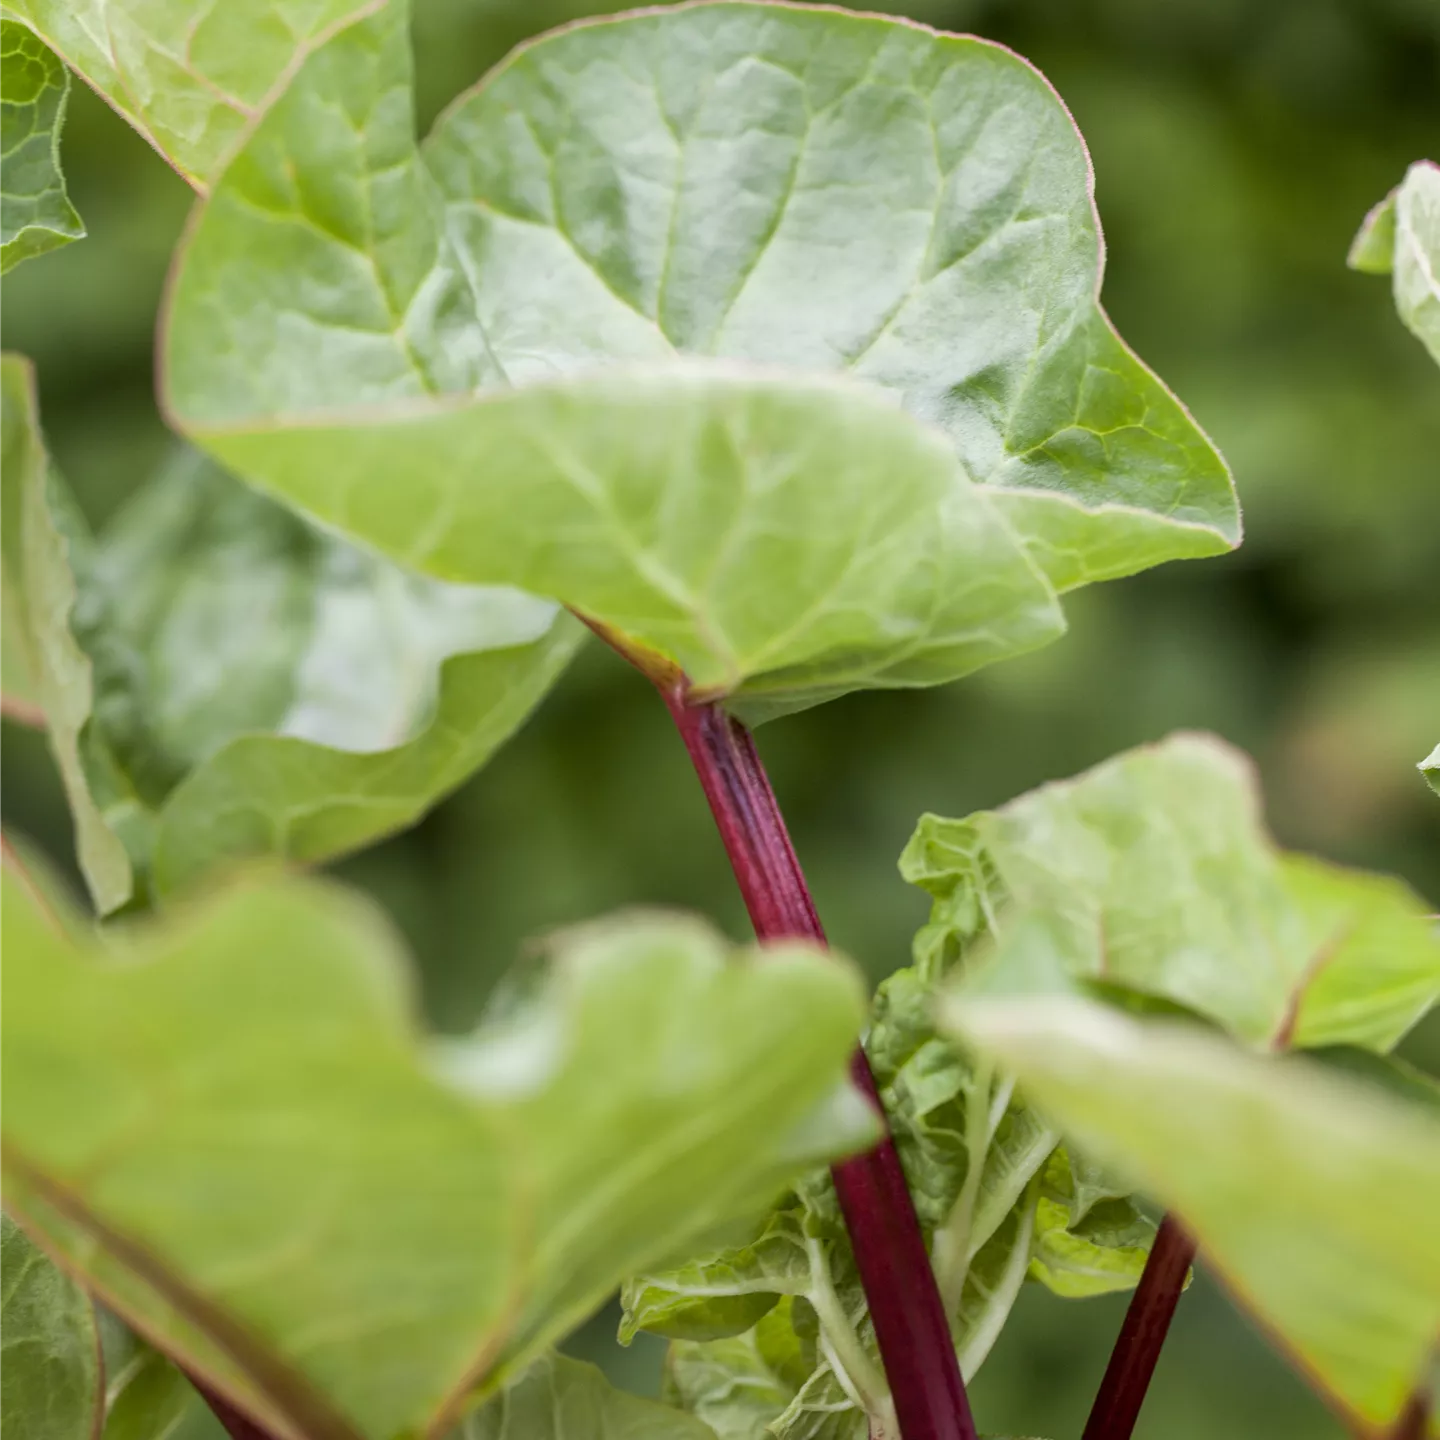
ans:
x=764 y=341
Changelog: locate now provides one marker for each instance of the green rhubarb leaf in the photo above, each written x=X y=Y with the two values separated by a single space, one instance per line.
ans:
x=766 y=336
x=1311 y=1194
x=1429 y=767
x=195 y=1108
x=51 y=1386
x=729 y=1385
x=1400 y=237
x=190 y=81
x=35 y=212
x=225 y=680
x=562 y=1399
x=1152 y=874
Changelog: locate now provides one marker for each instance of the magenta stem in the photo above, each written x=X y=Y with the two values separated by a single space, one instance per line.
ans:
x=1137 y=1347
x=905 y=1306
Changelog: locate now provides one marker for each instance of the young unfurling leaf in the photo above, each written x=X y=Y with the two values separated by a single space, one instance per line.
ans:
x=774 y=1332
x=562 y=1399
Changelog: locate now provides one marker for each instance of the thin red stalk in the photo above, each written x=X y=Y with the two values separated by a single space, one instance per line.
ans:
x=1137 y=1348
x=905 y=1307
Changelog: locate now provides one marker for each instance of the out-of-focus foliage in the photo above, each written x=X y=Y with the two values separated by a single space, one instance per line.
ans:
x=1237 y=146
x=223 y=681
x=1401 y=237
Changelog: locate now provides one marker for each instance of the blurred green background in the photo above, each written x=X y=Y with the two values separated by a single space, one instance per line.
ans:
x=1237 y=143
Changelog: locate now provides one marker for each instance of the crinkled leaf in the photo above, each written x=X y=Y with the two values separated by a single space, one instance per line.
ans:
x=1311 y=1195
x=973 y=1156
x=189 y=79
x=562 y=1399
x=225 y=680
x=733 y=1384
x=1090 y=1237
x=35 y=212
x=51 y=1385
x=199 y=1111
x=1153 y=873
x=1429 y=767
x=680 y=193
x=727 y=1385
x=1400 y=237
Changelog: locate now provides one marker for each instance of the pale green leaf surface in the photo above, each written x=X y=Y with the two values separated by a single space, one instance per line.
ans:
x=35 y=212
x=1312 y=1196
x=190 y=78
x=1153 y=873
x=50 y=1378
x=224 y=680
x=1429 y=767
x=200 y=1115
x=678 y=194
x=562 y=1399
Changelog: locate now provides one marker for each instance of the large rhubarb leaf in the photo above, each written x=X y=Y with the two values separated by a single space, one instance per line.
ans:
x=224 y=680
x=1152 y=873
x=766 y=336
x=35 y=212
x=228 y=1126
x=1312 y=1194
